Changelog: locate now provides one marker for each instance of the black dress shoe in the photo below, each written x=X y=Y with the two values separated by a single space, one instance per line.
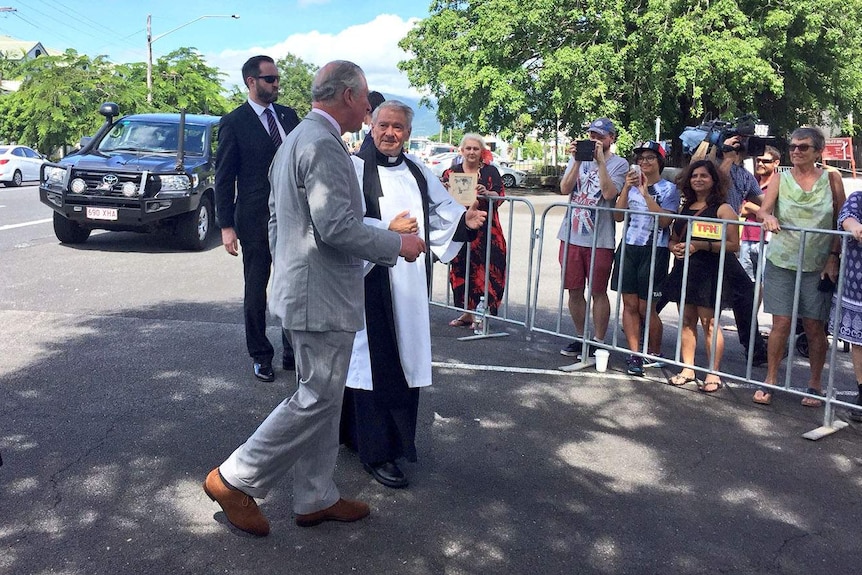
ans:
x=388 y=474
x=263 y=371
x=288 y=362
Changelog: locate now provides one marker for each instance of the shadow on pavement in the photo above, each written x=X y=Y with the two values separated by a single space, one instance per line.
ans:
x=109 y=423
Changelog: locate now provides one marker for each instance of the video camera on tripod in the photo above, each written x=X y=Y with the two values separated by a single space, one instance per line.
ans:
x=754 y=136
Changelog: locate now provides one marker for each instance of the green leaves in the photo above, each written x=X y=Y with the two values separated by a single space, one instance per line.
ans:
x=509 y=67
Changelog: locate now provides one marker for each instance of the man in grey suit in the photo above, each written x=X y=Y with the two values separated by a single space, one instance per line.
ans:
x=318 y=242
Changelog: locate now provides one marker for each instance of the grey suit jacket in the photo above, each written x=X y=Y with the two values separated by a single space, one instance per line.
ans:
x=316 y=233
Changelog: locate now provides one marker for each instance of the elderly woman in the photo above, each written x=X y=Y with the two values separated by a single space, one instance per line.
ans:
x=805 y=197
x=489 y=185
x=644 y=193
x=704 y=195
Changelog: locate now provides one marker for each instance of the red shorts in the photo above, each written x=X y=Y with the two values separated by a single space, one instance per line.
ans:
x=578 y=267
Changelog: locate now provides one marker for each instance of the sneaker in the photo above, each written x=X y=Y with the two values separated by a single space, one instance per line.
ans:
x=571 y=350
x=574 y=350
x=634 y=365
x=657 y=362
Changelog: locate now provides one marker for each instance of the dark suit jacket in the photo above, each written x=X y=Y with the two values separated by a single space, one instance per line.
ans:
x=245 y=151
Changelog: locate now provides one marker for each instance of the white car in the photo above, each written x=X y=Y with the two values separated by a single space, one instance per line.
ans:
x=512 y=178
x=440 y=163
x=19 y=164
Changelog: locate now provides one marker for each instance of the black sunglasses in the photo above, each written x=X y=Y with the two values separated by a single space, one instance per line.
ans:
x=800 y=147
x=268 y=79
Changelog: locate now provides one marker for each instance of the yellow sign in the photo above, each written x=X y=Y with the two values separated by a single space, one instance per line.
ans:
x=706 y=230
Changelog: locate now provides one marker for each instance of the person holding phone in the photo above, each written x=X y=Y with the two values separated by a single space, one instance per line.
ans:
x=589 y=184
x=644 y=193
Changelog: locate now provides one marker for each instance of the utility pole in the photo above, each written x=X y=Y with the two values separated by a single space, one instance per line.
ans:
x=150 y=41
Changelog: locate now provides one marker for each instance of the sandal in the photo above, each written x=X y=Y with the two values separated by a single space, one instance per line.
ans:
x=458 y=322
x=810 y=401
x=707 y=386
x=762 y=397
x=679 y=380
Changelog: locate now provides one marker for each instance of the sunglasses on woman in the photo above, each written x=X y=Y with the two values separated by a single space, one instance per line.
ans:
x=800 y=147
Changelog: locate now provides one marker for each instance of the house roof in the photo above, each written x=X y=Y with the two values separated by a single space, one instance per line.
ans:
x=15 y=49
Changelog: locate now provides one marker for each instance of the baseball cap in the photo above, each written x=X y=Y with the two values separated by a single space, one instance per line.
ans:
x=603 y=126
x=652 y=146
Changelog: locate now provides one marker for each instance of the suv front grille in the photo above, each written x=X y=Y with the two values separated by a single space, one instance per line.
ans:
x=101 y=184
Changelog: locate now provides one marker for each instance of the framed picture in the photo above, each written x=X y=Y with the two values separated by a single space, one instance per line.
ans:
x=463 y=187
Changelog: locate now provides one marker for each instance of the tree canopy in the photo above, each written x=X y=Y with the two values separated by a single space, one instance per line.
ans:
x=507 y=66
x=59 y=96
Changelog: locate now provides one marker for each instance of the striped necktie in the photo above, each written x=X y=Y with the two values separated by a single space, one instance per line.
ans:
x=273 y=128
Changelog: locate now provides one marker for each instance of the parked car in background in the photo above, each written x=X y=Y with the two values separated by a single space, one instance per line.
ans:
x=440 y=163
x=416 y=145
x=512 y=178
x=434 y=148
x=19 y=164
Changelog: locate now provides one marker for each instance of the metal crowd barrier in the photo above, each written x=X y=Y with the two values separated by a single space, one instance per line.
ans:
x=516 y=245
x=542 y=312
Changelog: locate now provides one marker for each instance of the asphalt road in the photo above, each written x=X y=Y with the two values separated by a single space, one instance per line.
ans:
x=123 y=381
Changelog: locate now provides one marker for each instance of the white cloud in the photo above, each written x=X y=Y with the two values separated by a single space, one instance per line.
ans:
x=373 y=46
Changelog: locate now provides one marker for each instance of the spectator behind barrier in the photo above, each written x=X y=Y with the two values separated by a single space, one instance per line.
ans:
x=645 y=192
x=742 y=188
x=590 y=183
x=850 y=314
x=704 y=197
x=749 y=238
x=472 y=281
x=806 y=197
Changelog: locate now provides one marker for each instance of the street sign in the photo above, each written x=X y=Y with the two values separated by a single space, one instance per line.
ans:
x=841 y=150
x=838 y=149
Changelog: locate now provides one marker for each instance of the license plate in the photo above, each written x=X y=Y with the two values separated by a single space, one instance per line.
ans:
x=102 y=214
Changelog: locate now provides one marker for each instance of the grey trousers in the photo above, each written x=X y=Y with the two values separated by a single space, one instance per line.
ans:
x=302 y=431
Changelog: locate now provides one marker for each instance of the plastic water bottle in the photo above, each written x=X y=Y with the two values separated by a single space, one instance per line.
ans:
x=479 y=317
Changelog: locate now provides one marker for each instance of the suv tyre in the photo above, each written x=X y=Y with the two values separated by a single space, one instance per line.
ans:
x=195 y=227
x=69 y=232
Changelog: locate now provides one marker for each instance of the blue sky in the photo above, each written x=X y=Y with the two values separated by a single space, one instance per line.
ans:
x=317 y=31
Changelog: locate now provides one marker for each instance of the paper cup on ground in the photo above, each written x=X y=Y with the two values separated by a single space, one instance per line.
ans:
x=602 y=356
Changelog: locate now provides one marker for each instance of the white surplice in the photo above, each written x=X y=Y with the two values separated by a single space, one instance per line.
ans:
x=407 y=280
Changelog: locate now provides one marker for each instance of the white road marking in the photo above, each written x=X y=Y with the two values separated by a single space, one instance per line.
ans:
x=23 y=224
x=610 y=374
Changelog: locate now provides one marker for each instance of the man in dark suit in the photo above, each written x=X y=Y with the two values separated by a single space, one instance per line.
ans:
x=248 y=139
x=319 y=242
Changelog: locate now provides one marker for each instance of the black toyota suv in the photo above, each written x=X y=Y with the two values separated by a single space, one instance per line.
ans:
x=137 y=174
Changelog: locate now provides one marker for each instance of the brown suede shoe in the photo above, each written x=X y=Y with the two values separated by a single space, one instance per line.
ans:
x=346 y=510
x=239 y=508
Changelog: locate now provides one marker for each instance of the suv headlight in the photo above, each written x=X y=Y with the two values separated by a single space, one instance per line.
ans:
x=175 y=185
x=54 y=175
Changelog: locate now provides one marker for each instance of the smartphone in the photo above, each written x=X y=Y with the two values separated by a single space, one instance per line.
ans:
x=637 y=170
x=585 y=150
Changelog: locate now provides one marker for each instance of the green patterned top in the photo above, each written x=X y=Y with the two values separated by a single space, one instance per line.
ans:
x=796 y=207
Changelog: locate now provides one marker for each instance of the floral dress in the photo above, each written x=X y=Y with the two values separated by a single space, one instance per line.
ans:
x=490 y=178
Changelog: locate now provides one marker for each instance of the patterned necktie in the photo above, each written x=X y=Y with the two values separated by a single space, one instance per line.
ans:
x=273 y=128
